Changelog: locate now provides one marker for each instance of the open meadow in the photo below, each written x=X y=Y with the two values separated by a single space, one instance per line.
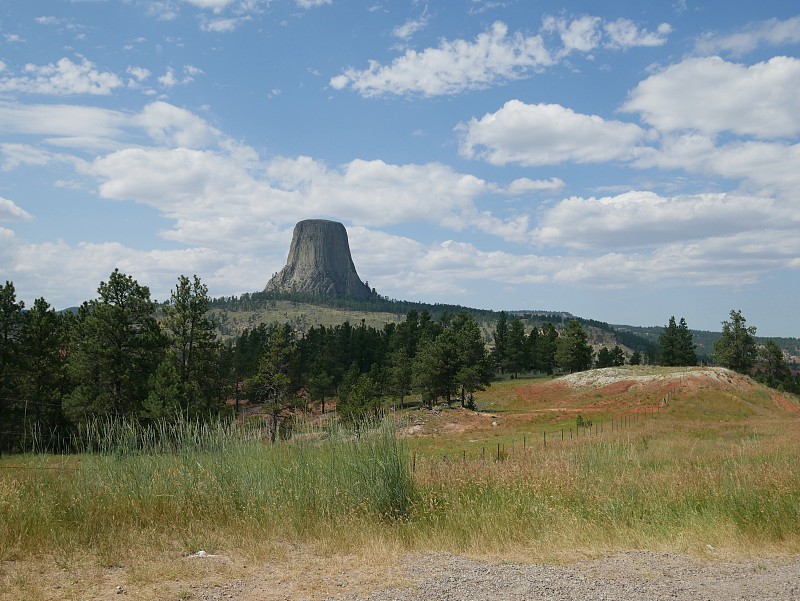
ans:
x=698 y=463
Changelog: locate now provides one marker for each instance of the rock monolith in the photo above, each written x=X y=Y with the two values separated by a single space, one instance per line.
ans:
x=320 y=263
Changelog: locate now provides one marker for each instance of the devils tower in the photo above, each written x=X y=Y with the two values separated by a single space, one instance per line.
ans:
x=320 y=264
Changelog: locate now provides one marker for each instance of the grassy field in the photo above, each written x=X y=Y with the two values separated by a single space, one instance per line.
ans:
x=301 y=316
x=693 y=466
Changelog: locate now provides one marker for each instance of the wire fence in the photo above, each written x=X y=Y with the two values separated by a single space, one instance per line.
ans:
x=584 y=429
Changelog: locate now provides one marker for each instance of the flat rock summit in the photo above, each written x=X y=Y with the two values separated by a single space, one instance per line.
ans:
x=320 y=263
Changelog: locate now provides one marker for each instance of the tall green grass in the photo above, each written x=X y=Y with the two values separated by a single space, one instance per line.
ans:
x=211 y=486
x=197 y=484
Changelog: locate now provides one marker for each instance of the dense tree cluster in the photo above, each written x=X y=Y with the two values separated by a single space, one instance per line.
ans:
x=541 y=350
x=118 y=355
x=676 y=346
x=121 y=354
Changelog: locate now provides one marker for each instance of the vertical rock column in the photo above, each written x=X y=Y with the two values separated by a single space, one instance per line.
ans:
x=320 y=263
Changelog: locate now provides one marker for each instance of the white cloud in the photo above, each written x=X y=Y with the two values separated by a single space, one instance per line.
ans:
x=9 y=211
x=163 y=10
x=547 y=134
x=624 y=34
x=62 y=78
x=14 y=155
x=67 y=274
x=645 y=219
x=312 y=3
x=767 y=169
x=772 y=32
x=169 y=79
x=60 y=120
x=48 y=20
x=139 y=73
x=214 y=196
x=169 y=125
x=410 y=27
x=214 y=5
x=452 y=67
x=525 y=185
x=581 y=34
x=711 y=95
x=587 y=32
x=223 y=25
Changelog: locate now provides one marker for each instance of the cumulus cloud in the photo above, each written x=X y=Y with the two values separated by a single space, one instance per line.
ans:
x=772 y=32
x=711 y=95
x=138 y=73
x=494 y=57
x=646 y=219
x=454 y=66
x=9 y=211
x=547 y=134
x=169 y=79
x=189 y=185
x=581 y=34
x=66 y=274
x=624 y=34
x=170 y=125
x=62 y=78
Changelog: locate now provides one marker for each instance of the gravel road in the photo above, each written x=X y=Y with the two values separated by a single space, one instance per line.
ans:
x=629 y=576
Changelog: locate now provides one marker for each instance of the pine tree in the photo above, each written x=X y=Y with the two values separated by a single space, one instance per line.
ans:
x=546 y=348
x=736 y=349
x=617 y=356
x=685 y=346
x=193 y=347
x=42 y=367
x=474 y=370
x=604 y=358
x=675 y=345
x=573 y=352
x=532 y=350
x=436 y=366
x=515 y=347
x=116 y=347
x=776 y=372
x=667 y=344
x=273 y=385
x=401 y=377
x=11 y=320
x=500 y=352
x=358 y=398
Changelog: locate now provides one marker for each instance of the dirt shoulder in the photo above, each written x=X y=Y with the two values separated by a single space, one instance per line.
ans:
x=630 y=576
x=623 y=576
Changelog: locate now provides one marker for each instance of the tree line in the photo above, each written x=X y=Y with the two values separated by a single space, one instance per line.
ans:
x=123 y=355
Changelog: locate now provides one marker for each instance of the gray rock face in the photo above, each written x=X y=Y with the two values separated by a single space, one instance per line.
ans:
x=319 y=263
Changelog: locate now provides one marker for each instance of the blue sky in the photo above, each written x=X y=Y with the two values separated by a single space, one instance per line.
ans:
x=623 y=161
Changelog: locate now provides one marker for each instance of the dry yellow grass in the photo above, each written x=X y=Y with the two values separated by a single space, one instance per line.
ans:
x=716 y=473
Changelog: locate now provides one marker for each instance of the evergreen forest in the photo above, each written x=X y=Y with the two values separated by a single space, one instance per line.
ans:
x=122 y=355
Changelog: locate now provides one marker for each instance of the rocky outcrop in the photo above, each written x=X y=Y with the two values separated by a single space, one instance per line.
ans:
x=320 y=264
